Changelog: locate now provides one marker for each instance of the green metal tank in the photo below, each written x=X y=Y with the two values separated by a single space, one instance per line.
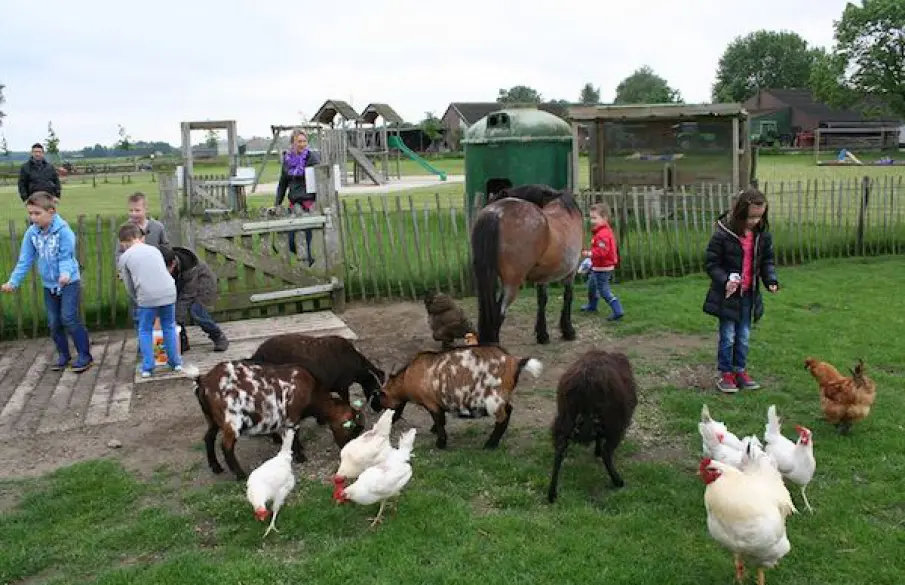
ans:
x=516 y=146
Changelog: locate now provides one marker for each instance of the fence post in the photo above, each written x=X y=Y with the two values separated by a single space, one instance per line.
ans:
x=865 y=200
x=169 y=207
x=336 y=266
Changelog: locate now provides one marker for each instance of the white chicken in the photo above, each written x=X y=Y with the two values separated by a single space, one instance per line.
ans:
x=795 y=461
x=747 y=511
x=715 y=433
x=370 y=448
x=385 y=480
x=272 y=481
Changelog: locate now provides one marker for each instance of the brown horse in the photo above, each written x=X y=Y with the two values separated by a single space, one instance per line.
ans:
x=529 y=233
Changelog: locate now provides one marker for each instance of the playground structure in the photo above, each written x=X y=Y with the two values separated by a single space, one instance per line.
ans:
x=212 y=195
x=666 y=146
x=842 y=141
x=353 y=143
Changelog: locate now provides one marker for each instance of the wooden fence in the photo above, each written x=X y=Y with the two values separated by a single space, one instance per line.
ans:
x=398 y=246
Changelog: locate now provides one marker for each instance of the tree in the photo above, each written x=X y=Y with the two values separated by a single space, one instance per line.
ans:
x=590 y=95
x=519 y=94
x=761 y=60
x=431 y=126
x=2 y=101
x=828 y=81
x=646 y=87
x=53 y=141
x=125 y=141
x=870 y=47
x=211 y=139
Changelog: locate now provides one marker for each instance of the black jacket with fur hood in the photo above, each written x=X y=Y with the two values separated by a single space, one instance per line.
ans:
x=724 y=256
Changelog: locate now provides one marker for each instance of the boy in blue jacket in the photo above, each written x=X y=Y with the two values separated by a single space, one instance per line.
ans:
x=51 y=242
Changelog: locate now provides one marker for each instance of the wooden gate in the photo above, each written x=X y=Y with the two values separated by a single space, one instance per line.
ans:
x=248 y=249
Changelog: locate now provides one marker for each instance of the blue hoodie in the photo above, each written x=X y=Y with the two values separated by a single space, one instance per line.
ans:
x=55 y=251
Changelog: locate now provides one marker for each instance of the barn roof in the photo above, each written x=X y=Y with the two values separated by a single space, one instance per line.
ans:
x=331 y=108
x=644 y=112
x=803 y=101
x=373 y=111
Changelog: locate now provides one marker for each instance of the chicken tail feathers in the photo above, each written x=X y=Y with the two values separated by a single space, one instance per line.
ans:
x=705 y=414
x=772 y=429
x=385 y=423
x=407 y=441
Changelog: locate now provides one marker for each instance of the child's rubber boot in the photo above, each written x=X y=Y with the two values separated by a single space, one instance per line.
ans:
x=617 y=310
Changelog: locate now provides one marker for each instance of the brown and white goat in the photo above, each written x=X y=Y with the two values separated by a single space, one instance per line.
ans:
x=595 y=401
x=332 y=359
x=475 y=379
x=242 y=397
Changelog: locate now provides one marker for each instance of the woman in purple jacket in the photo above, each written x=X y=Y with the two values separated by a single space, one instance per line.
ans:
x=292 y=179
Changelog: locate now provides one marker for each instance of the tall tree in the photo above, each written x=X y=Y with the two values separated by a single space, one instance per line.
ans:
x=646 y=87
x=432 y=126
x=53 y=141
x=590 y=95
x=761 y=60
x=870 y=47
x=828 y=81
x=125 y=141
x=211 y=139
x=2 y=101
x=519 y=94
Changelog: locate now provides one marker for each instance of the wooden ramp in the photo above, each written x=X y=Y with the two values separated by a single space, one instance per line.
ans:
x=245 y=337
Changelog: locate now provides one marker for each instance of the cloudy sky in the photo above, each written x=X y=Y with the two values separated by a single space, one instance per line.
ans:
x=89 y=66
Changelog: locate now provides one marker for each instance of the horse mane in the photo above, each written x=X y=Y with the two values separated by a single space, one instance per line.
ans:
x=540 y=195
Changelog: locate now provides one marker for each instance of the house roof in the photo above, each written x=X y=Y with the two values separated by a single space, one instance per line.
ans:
x=331 y=108
x=373 y=111
x=643 y=112
x=803 y=101
x=471 y=112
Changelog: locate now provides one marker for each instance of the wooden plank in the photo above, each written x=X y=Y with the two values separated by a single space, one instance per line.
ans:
x=16 y=403
x=334 y=254
x=271 y=266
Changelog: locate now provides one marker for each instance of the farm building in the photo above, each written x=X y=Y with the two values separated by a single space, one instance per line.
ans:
x=460 y=116
x=666 y=146
x=791 y=116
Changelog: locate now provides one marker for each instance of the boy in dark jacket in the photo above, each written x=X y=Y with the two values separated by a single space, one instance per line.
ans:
x=739 y=257
x=196 y=291
x=604 y=257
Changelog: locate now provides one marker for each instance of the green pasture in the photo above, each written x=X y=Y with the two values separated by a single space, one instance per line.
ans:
x=470 y=516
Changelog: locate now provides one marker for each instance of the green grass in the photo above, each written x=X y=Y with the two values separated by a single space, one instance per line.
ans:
x=470 y=516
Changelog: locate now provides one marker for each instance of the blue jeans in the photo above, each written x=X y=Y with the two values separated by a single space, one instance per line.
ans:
x=167 y=316
x=62 y=318
x=205 y=321
x=599 y=288
x=732 y=352
x=308 y=235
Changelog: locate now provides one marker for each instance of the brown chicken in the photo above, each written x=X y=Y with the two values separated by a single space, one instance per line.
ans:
x=447 y=320
x=844 y=399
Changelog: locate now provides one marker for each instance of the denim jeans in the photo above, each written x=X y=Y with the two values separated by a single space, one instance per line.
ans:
x=732 y=352
x=599 y=288
x=63 y=318
x=167 y=316
x=205 y=321
x=308 y=234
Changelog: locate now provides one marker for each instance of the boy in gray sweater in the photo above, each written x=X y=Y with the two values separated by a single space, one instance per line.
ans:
x=153 y=291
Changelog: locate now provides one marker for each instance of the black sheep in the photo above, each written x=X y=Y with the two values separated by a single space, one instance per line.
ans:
x=595 y=401
x=331 y=359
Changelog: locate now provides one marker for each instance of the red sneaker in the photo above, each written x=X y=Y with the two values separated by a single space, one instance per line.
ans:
x=744 y=381
x=727 y=383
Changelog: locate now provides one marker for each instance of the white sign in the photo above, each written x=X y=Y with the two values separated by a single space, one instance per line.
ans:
x=310 y=185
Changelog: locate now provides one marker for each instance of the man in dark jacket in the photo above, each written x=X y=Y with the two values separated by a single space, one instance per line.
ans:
x=37 y=174
x=196 y=291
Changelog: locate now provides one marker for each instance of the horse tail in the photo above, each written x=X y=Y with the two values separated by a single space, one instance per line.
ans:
x=485 y=254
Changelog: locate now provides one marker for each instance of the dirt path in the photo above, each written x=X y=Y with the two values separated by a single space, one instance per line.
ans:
x=164 y=427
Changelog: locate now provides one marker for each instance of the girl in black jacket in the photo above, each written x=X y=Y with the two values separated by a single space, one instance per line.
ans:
x=739 y=258
x=292 y=179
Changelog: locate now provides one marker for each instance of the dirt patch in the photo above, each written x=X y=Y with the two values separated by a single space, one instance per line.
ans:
x=166 y=427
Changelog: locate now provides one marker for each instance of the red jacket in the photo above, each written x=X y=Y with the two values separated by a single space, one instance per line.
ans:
x=604 y=252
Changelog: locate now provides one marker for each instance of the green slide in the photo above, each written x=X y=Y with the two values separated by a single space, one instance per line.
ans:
x=396 y=142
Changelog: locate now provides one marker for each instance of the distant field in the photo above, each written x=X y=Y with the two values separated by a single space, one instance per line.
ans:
x=81 y=196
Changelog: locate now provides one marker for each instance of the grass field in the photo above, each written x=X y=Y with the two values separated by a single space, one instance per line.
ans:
x=474 y=517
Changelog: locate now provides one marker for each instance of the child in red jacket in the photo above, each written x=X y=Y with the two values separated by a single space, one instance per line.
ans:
x=604 y=258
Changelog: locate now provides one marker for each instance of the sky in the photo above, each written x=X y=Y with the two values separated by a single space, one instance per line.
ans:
x=88 y=67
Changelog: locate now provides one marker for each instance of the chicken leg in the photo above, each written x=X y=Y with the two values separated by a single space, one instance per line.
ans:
x=804 y=496
x=761 y=579
x=273 y=519
x=739 y=568
x=379 y=518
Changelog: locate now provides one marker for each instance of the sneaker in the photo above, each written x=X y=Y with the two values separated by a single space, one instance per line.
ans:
x=79 y=367
x=615 y=317
x=145 y=374
x=177 y=369
x=745 y=382
x=588 y=309
x=726 y=383
x=221 y=343
x=60 y=365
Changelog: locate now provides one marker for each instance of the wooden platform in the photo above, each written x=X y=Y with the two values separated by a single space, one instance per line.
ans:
x=244 y=338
